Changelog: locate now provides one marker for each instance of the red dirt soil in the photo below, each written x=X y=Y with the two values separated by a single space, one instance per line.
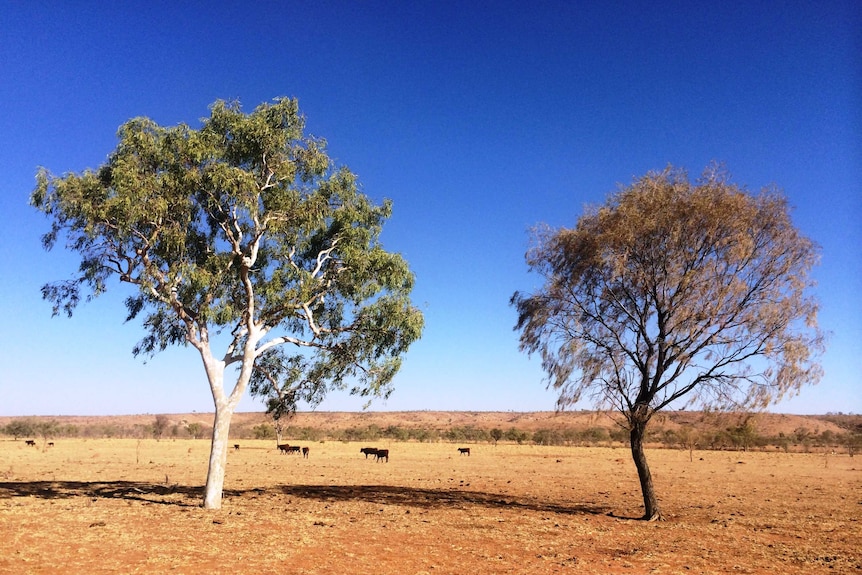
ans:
x=133 y=506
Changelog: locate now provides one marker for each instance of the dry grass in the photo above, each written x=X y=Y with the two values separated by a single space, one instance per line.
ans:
x=132 y=506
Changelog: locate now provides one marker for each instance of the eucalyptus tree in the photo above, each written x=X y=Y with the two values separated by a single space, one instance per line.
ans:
x=244 y=241
x=674 y=293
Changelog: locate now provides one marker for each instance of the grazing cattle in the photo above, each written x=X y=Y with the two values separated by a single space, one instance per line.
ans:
x=284 y=448
x=236 y=446
x=305 y=451
x=50 y=444
x=31 y=442
x=368 y=451
x=463 y=450
x=381 y=453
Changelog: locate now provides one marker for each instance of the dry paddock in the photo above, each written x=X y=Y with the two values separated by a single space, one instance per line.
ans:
x=132 y=506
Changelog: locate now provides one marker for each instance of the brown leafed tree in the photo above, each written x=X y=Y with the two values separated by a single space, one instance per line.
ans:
x=674 y=293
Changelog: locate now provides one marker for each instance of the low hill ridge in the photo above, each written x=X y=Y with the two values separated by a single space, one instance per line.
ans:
x=765 y=423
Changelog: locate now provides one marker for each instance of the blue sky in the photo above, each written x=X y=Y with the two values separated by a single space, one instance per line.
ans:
x=478 y=119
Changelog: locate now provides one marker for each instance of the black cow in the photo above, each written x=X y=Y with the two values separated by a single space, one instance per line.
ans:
x=284 y=448
x=463 y=450
x=31 y=442
x=305 y=451
x=368 y=451
x=381 y=453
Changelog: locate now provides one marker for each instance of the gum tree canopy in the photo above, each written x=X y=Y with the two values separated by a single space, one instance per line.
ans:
x=674 y=294
x=241 y=228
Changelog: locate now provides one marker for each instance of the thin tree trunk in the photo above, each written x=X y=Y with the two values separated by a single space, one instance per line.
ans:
x=218 y=456
x=651 y=507
x=224 y=409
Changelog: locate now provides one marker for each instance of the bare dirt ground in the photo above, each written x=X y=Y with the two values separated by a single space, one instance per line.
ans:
x=133 y=506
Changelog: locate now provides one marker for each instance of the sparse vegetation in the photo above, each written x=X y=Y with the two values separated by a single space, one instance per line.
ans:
x=20 y=428
x=684 y=430
x=264 y=431
x=195 y=430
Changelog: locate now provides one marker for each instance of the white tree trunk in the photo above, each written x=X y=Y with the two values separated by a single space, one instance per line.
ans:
x=218 y=455
x=224 y=408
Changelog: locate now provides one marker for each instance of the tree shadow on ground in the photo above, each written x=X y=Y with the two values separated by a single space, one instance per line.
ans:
x=190 y=496
x=452 y=498
x=180 y=495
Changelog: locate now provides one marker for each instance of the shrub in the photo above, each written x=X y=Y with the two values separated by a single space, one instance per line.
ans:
x=263 y=431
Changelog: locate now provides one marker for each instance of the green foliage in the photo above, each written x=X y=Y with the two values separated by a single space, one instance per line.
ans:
x=264 y=431
x=195 y=430
x=20 y=428
x=547 y=437
x=517 y=435
x=423 y=435
x=396 y=433
x=466 y=433
x=48 y=429
x=370 y=433
x=744 y=435
x=596 y=435
x=241 y=226
x=496 y=434
x=305 y=433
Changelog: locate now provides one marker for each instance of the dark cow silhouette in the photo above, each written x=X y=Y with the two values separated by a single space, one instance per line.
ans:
x=31 y=442
x=381 y=453
x=236 y=446
x=463 y=450
x=305 y=451
x=368 y=451
x=284 y=448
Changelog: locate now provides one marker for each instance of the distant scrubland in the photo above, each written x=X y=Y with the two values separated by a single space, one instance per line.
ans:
x=682 y=429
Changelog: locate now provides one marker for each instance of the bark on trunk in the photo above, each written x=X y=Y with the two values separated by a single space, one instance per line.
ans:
x=651 y=507
x=218 y=456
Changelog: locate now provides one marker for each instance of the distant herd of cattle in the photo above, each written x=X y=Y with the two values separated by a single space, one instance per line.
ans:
x=288 y=449
x=379 y=454
x=284 y=448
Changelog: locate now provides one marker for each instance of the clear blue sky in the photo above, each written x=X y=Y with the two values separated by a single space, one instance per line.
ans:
x=478 y=119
